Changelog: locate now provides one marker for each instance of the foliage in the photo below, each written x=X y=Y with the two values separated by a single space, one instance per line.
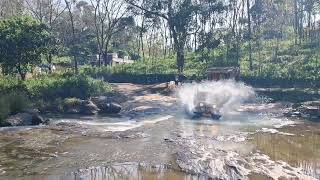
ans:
x=293 y=65
x=12 y=103
x=22 y=40
x=122 y=54
x=72 y=101
x=64 y=61
x=4 y=108
x=280 y=39
x=293 y=62
x=46 y=91
x=181 y=17
x=10 y=84
x=52 y=87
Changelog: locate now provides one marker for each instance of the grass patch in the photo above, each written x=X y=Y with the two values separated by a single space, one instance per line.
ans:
x=46 y=91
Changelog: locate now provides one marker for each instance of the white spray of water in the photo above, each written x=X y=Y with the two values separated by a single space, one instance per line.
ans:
x=225 y=95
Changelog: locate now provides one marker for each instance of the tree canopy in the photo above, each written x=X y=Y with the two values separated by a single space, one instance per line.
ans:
x=266 y=38
x=22 y=41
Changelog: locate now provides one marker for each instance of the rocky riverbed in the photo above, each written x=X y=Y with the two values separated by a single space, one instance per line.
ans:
x=152 y=139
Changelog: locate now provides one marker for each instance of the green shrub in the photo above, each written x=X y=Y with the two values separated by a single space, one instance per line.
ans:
x=9 y=84
x=72 y=101
x=47 y=90
x=52 y=87
x=4 y=109
x=62 y=61
x=18 y=102
x=12 y=103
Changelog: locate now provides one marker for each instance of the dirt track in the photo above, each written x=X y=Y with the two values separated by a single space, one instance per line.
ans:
x=145 y=97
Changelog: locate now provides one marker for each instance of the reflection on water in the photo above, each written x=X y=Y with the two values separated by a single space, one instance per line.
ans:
x=300 y=150
x=129 y=171
x=123 y=171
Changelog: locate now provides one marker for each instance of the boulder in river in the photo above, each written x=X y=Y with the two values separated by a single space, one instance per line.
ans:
x=26 y=118
x=110 y=108
x=310 y=109
x=106 y=106
x=77 y=106
x=89 y=108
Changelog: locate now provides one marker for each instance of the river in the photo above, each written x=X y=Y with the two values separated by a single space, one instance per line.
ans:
x=153 y=139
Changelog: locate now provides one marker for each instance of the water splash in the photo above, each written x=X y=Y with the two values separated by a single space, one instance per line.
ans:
x=225 y=95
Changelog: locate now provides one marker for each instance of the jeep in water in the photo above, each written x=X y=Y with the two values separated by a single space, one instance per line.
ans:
x=203 y=108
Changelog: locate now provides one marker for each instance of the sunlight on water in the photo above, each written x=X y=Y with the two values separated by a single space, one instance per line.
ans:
x=104 y=124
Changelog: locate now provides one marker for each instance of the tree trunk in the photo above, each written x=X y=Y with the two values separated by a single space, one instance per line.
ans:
x=73 y=35
x=309 y=25
x=105 y=54
x=50 y=62
x=105 y=58
x=249 y=34
x=180 y=61
x=295 y=26
x=141 y=38
x=179 y=47
x=99 y=58
x=21 y=73
x=75 y=64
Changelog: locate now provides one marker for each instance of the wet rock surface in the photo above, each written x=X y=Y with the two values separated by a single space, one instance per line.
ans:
x=82 y=130
x=110 y=108
x=310 y=110
x=29 y=117
x=196 y=157
x=78 y=106
x=107 y=105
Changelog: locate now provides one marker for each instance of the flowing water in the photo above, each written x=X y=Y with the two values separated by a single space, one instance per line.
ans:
x=251 y=141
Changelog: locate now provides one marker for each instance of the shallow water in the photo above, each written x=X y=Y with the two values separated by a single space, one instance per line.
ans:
x=301 y=148
x=145 y=148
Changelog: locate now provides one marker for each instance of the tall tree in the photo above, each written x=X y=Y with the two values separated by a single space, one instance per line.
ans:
x=180 y=16
x=22 y=41
x=48 y=12
x=11 y=8
x=110 y=17
x=249 y=34
x=70 y=6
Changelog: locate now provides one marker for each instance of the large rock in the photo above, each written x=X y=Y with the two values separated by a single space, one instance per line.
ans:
x=110 y=108
x=309 y=109
x=106 y=106
x=100 y=100
x=309 y=112
x=89 y=108
x=26 y=118
x=77 y=106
